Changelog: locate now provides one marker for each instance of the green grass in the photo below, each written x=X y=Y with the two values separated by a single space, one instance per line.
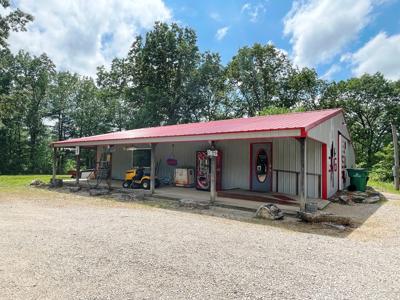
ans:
x=383 y=186
x=14 y=181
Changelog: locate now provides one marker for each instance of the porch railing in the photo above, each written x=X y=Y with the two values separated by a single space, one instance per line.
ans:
x=278 y=171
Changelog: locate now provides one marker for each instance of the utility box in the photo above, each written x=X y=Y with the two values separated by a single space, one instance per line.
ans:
x=184 y=177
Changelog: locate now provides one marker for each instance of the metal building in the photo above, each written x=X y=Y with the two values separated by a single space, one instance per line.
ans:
x=304 y=154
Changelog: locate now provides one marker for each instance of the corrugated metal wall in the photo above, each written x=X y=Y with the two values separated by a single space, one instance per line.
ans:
x=328 y=132
x=236 y=163
x=121 y=161
x=286 y=165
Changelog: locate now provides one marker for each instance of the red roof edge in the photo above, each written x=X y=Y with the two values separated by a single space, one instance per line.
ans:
x=316 y=123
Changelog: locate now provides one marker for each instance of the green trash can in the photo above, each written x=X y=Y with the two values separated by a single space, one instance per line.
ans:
x=358 y=178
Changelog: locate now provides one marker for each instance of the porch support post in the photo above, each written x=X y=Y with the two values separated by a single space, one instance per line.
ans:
x=152 y=169
x=109 y=171
x=303 y=174
x=53 y=178
x=78 y=164
x=213 y=177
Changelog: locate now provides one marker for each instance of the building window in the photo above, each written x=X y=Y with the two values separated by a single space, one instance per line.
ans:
x=141 y=158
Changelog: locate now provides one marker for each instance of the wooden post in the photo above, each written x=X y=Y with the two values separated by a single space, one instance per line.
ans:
x=213 y=179
x=303 y=174
x=109 y=171
x=78 y=164
x=53 y=178
x=152 y=169
x=396 y=158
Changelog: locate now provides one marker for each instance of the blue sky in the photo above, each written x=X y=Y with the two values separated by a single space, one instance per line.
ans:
x=206 y=17
x=340 y=38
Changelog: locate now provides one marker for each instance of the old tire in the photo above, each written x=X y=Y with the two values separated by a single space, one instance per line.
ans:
x=146 y=184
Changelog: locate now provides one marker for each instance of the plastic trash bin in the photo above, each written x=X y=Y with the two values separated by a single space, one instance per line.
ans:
x=358 y=178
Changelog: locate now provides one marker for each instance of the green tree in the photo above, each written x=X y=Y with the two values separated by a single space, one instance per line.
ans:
x=256 y=74
x=16 y=20
x=371 y=103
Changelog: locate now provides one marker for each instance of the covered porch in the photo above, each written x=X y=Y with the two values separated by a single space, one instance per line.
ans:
x=262 y=159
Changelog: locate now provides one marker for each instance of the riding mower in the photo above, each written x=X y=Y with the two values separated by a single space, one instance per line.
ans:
x=137 y=178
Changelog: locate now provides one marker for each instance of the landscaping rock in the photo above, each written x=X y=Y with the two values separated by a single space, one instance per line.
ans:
x=98 y=192
x=74 y=189
x=373 y=199
x=189 y=203
x=269 y=212
x=56 y=183
x=130 y=196
x=37 y=182
x=345 y=199
x=320 y=217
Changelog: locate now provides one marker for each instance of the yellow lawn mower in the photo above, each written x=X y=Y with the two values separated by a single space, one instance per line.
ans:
x=137 y=178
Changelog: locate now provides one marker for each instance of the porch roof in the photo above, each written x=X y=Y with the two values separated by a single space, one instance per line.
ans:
x=284 y=125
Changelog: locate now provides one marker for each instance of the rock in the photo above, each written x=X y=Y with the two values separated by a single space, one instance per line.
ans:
x=269 y=212
x=130 y=196
x=373 y=199
x=336 y=226
x=74 y=189
x=358 y=199
x=37 y=182
x=56 y=183
x=189 y=203
x=98 y=192
x=345 y=199
x=320 y=217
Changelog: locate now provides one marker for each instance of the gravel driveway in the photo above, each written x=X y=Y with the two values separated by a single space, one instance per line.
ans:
x=59 y=246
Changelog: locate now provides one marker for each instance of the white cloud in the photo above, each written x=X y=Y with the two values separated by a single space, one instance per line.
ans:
x=380 y=54
x=220 y=34
x=331 y=71
x=81 y=35
x=253 y=10
x=215 y=16
x=320 y=29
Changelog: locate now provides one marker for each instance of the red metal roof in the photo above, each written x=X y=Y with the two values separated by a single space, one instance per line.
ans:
x=301 y=120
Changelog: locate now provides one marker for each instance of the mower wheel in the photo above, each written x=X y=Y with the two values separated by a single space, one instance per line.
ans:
x=126 y=184
x=146 y=184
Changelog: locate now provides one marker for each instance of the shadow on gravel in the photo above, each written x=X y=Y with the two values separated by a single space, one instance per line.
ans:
x=357 y=213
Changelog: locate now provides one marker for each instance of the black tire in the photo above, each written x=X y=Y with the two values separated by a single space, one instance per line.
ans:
x=157 y=182
x=146 y=184
x=126 y=184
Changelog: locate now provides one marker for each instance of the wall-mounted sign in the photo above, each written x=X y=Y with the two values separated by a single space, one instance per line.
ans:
x=212 y=153
x=77 y=150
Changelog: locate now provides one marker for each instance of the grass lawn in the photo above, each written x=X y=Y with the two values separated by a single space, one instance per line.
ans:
x=7 y=181
x=383 y=186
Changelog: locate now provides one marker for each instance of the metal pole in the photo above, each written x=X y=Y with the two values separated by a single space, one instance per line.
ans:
x=152 y=169
x=303 y=174
x=396 y=158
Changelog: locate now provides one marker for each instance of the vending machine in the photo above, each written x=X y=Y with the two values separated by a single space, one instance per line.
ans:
x=203 y=170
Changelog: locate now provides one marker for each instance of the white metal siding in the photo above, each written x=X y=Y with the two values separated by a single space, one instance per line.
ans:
x=328 y=133
x=286 y=157
x=184 y=153
x=121 y=161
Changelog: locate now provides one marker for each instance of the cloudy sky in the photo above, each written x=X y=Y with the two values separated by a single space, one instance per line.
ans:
x=340 y=38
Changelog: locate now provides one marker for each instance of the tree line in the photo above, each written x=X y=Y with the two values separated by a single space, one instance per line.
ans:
x=165 y=79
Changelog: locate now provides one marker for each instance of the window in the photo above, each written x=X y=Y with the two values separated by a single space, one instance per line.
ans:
x=141 y=158
x=261 y=165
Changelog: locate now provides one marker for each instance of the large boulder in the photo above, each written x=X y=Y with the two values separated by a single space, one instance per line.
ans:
x=269 y=212
x=37 y=182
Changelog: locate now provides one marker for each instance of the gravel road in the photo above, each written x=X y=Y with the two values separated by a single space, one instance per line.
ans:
x=59 y=246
